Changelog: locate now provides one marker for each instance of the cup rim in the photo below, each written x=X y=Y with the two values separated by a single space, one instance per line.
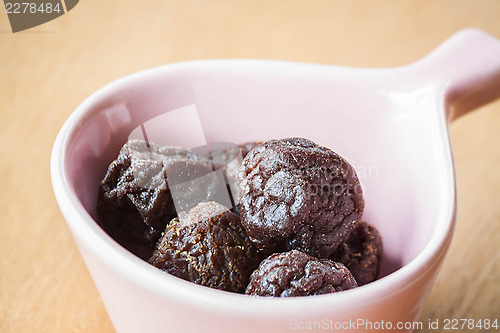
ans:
x=87 y=233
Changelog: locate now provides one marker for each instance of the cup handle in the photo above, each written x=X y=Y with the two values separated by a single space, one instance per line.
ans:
x=467 y=65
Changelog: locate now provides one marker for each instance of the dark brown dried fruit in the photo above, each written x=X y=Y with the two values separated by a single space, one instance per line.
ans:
x=135 y=200
x=295 y=273
x=361 y=253
x=223 y=154
x=228 y=157
x=296 y=194
x=247 y=147
x=207 y=246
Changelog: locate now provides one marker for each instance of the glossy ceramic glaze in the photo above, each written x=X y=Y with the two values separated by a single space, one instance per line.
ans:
x=391 y=124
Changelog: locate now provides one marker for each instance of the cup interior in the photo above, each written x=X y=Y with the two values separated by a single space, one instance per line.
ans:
x=396 y=138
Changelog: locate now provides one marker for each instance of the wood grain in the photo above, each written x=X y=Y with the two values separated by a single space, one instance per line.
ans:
x=47 y=71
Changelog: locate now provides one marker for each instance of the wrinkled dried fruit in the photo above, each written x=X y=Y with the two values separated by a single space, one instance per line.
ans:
x=296 y=194
x=293 y=195
x=223 y=154
x=361 y=253
x=228 y=157
x=207 y=246
x=295 y=273
x=135 y=200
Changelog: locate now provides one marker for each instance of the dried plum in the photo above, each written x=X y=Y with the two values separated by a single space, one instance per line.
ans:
x=135 y=199
x=361 y=253
x=296 y=194
x=223 y=154
x=295 y=273
x=293 y=195
x=228 y=158
x=207 y=246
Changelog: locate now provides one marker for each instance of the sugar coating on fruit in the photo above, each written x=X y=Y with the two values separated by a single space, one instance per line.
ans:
x=209 y=247
x=228 y=158
x=296 y=194
x=295 y=273
x=134 y=199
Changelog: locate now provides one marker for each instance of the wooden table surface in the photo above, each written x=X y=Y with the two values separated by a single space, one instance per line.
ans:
x=45 y=72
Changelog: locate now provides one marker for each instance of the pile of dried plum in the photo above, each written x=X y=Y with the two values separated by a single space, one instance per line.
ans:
x=295 y=227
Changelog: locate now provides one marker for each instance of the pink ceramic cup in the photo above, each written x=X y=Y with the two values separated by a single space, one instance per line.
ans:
x=391 y=124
